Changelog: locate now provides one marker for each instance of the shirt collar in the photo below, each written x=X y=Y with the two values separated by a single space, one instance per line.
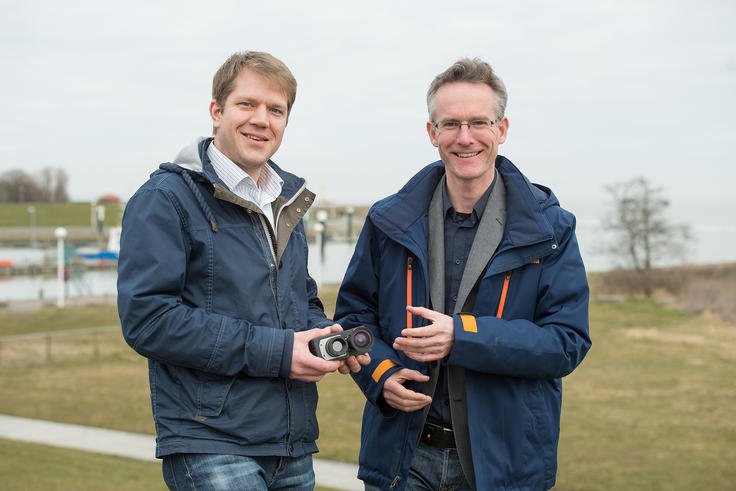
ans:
x=479 y=206
x=232 y=175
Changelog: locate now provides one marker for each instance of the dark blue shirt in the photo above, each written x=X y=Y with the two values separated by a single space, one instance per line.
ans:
x=460 y=229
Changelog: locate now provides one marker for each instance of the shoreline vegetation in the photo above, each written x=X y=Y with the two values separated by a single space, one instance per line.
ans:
x=655 y=391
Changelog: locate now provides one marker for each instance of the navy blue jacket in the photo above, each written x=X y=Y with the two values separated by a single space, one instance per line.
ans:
x=211 y=295
x=528 y=328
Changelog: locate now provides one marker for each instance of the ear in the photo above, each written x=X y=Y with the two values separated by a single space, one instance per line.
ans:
x=215 y=113
x=432 y=134
x=503 y=129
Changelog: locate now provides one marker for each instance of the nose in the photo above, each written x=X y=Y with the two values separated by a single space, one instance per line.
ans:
x=259 y=116
x=464 y=136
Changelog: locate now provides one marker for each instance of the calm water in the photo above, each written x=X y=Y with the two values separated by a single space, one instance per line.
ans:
x=712 y=224
x=97 y=283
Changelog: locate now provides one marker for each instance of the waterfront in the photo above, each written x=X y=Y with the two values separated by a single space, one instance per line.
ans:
x=710 y=222
x=84 y=282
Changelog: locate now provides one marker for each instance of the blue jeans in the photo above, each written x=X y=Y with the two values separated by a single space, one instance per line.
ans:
x=229 y=472
x=433 y=469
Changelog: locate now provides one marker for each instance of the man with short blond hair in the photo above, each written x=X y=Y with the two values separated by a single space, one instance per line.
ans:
x=471 y=280
x=213 y=289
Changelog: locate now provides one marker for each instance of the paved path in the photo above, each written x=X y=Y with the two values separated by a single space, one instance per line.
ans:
x=140 y=446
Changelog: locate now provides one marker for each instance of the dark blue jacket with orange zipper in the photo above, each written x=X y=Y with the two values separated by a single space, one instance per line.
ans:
x=527 y=329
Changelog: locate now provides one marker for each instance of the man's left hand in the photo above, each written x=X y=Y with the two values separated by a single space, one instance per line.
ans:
x=428 y=343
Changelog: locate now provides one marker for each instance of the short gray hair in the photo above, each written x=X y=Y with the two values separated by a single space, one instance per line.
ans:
x=473 y=71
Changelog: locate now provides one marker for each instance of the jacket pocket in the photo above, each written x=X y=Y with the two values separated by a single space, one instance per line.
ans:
x=211 y=393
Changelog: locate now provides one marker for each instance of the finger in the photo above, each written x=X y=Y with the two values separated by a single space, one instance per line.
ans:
x=335 y=328
x=352 y=364
x=417 y=376
x=404 y=406
x=319 y=332
x=407 y=403
x=420 y=332
x=319 y=365
x=408 y=345
x=401 y=392
x=422 y=312
x=344 y=369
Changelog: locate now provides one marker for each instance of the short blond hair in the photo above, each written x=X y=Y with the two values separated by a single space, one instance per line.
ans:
x=264 y=64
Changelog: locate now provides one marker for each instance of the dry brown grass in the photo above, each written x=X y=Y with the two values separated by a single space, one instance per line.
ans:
x=709 y=289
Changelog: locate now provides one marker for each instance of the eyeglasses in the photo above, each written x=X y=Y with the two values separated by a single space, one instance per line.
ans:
x=475 y=126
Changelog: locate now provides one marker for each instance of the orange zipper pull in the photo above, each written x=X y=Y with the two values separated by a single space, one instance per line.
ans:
x=409 y=261
x=504 y=291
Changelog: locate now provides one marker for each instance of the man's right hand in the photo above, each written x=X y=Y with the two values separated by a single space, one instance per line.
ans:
x=304 y=365
x=399 y=397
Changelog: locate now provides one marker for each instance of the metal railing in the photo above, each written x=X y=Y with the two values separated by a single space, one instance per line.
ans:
x=60 y=345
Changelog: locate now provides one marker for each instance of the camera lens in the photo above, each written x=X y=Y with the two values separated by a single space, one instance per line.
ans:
x=361 y=339
x=336 y=347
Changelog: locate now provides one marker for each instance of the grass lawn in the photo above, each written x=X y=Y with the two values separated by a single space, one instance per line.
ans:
x=650 y=408
x=54 y=319
x=29 y=467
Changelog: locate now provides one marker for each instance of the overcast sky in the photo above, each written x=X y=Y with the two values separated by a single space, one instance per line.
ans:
x=599 y=92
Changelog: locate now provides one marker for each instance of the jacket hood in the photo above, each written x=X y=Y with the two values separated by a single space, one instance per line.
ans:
x=189 y=156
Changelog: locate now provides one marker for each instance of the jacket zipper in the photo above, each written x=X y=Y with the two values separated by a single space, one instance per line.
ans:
x=271 y=241
x=293 y=198
x=504 y=292
x=409 y=266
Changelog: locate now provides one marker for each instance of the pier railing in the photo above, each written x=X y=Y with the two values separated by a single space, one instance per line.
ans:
x=59 y=346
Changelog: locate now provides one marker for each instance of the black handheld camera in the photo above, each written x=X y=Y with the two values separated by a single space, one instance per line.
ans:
x=340 y=345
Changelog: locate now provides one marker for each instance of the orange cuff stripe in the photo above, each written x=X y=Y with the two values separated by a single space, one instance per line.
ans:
x=469 y=324
x=381 y=369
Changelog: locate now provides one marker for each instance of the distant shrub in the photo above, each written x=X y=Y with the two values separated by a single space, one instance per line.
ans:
x=710 y=288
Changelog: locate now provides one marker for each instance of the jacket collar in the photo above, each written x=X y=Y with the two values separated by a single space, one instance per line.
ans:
x=403 y=216
x=194 y=159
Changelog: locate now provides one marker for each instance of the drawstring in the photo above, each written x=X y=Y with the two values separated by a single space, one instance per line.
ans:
x=200 y=199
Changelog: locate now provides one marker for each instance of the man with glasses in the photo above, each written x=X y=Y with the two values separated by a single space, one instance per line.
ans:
x=471 y=280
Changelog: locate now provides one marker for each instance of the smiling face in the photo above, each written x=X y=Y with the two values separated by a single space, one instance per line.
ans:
x=469 y=156
x=250 y=125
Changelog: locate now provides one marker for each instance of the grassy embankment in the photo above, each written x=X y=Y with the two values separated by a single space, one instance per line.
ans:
x=651 y=407
x=72 y=214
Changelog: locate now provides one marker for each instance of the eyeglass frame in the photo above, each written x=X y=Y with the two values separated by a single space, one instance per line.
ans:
x=493 y=122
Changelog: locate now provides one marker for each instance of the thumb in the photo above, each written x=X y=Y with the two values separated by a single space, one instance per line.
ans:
x=318 y=332
x=415 y=375
x=335 y=328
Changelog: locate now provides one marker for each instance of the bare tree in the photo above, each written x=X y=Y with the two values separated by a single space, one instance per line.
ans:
x=643 y=234
x=48 y=186
x=18 y=187
x=58 y=194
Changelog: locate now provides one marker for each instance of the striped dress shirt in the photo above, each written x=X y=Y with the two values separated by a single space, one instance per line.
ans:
x=240 y=183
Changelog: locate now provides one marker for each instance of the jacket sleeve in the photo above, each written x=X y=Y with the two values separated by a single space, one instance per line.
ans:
x=158 y=323
x=550 y=345
x=357 y=305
